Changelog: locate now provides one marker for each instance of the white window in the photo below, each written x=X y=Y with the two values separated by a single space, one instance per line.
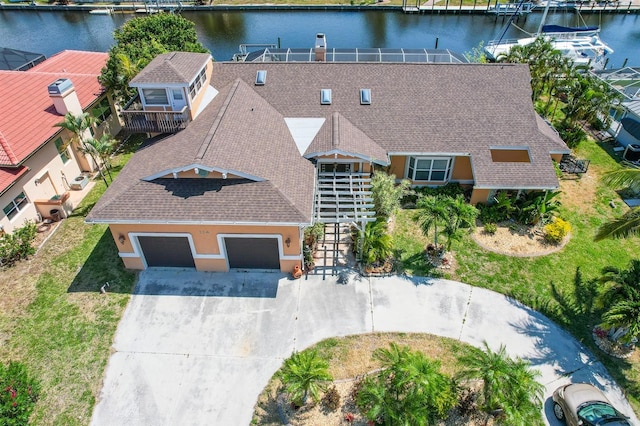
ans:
x=16 y=206
x=430 y=169
x=177 y=94
x=155 y=97
x=194 y=88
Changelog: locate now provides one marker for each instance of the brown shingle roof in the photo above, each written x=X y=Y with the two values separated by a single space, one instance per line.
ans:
x=172 y=68
x=415 y=109
x=338 y=135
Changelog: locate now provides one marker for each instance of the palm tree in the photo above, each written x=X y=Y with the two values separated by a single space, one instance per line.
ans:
x=432 y=213
x=305 y=373
x=629 y=223
x=102 y=147
x=409 y=390
x=460 y=214
x=620 y=296
x=509 y=386
x=79 y=125
x=377 y=244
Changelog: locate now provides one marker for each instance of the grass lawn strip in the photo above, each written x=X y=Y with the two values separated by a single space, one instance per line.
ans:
x=55 y=320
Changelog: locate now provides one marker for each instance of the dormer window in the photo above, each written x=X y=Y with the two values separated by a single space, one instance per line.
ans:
x=155 y=97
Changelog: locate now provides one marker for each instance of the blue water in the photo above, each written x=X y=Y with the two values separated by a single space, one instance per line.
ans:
x=222 y=32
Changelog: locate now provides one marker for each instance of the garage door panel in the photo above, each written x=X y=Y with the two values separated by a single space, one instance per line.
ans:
x=167 y=251
x=252 y=253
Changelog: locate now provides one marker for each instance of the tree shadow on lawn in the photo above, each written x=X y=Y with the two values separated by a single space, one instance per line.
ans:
x=565 y=341
x=417 y=264
x=103 y=265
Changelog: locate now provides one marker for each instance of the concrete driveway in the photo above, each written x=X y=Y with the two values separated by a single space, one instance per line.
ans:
x=197 y=348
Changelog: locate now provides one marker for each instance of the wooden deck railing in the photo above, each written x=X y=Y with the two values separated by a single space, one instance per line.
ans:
x=136 y=121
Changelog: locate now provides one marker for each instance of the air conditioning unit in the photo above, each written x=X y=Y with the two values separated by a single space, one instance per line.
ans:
x=79 y=183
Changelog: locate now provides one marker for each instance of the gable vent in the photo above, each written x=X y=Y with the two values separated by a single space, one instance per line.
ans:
x=261 y=77
x=325 y=96
x=365 y=96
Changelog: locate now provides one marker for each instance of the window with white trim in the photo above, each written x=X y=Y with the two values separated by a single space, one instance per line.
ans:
x=16 y=205
x=155 y=96
x=194 y=88
x=429 y=169
x=62 y=148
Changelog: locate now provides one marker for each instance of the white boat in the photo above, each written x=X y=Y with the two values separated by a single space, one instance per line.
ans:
x=102 y=11
x=580 y=44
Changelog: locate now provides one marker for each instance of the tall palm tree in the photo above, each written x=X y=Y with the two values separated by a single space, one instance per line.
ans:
x=620 y=296
x=102 y=148
x=79 y=126
x=509 y=385
x=303 y=374
x=629 y=224
x=432 y=213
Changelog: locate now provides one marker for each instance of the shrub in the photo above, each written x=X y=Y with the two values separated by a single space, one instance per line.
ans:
x=387 y=194
x=314 y=233
x=571 y=134
x=451 y=189
x=555 y=231
x=491 y=213
x=490 y=228
x=331 y=399
x=18 y=245
x=18 y=394
x=304 y=374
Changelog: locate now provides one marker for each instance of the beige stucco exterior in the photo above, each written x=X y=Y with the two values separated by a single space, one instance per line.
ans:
x=195 y=102
x=208 y=255
x=43 y=181
x=510 y=156
x=479 y=196
x=462 y=170
x=48 y=176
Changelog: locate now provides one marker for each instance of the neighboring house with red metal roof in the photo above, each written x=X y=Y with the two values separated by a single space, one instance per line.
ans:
x=37 y=162
x=280 y=146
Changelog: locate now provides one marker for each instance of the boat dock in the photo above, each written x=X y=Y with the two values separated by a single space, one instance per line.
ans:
x=509 y=9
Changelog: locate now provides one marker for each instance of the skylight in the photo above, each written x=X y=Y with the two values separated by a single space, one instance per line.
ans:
x=365 y=96
x=325 y=96
x=261 y=77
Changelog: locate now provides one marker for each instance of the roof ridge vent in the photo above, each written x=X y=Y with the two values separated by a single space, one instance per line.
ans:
x=335 y=122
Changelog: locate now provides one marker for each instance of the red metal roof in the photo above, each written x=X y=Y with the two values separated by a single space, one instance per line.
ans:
x=27 y=114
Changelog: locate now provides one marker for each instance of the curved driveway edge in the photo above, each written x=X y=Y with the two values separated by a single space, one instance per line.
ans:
x=197 y=348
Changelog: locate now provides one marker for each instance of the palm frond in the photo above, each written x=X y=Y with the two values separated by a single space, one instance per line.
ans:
x=624 y=178
x=625 y=226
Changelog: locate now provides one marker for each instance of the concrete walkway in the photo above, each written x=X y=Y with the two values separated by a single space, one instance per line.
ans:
x=198 y=348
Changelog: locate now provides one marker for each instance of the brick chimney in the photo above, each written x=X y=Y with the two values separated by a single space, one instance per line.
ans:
x=321 y=48
x=64 y=97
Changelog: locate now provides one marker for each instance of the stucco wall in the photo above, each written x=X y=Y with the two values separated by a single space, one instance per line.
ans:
x=479 y=196
x=462 y=169
x=205 y=241
x=46 y=167
x=195 y=103
x=510 y=156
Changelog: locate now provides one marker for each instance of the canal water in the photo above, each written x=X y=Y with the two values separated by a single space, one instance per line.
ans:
x=222 y=32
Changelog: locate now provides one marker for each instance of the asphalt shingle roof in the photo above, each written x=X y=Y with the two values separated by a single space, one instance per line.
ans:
x=172 y=68
x=416 y=109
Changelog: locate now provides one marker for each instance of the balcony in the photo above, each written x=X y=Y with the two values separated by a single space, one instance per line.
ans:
x=139 y=121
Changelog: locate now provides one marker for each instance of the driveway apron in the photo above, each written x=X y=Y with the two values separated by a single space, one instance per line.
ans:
x=197 y=348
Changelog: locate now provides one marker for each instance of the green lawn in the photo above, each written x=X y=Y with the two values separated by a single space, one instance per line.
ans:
x=57 y=322
x=561 y=285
